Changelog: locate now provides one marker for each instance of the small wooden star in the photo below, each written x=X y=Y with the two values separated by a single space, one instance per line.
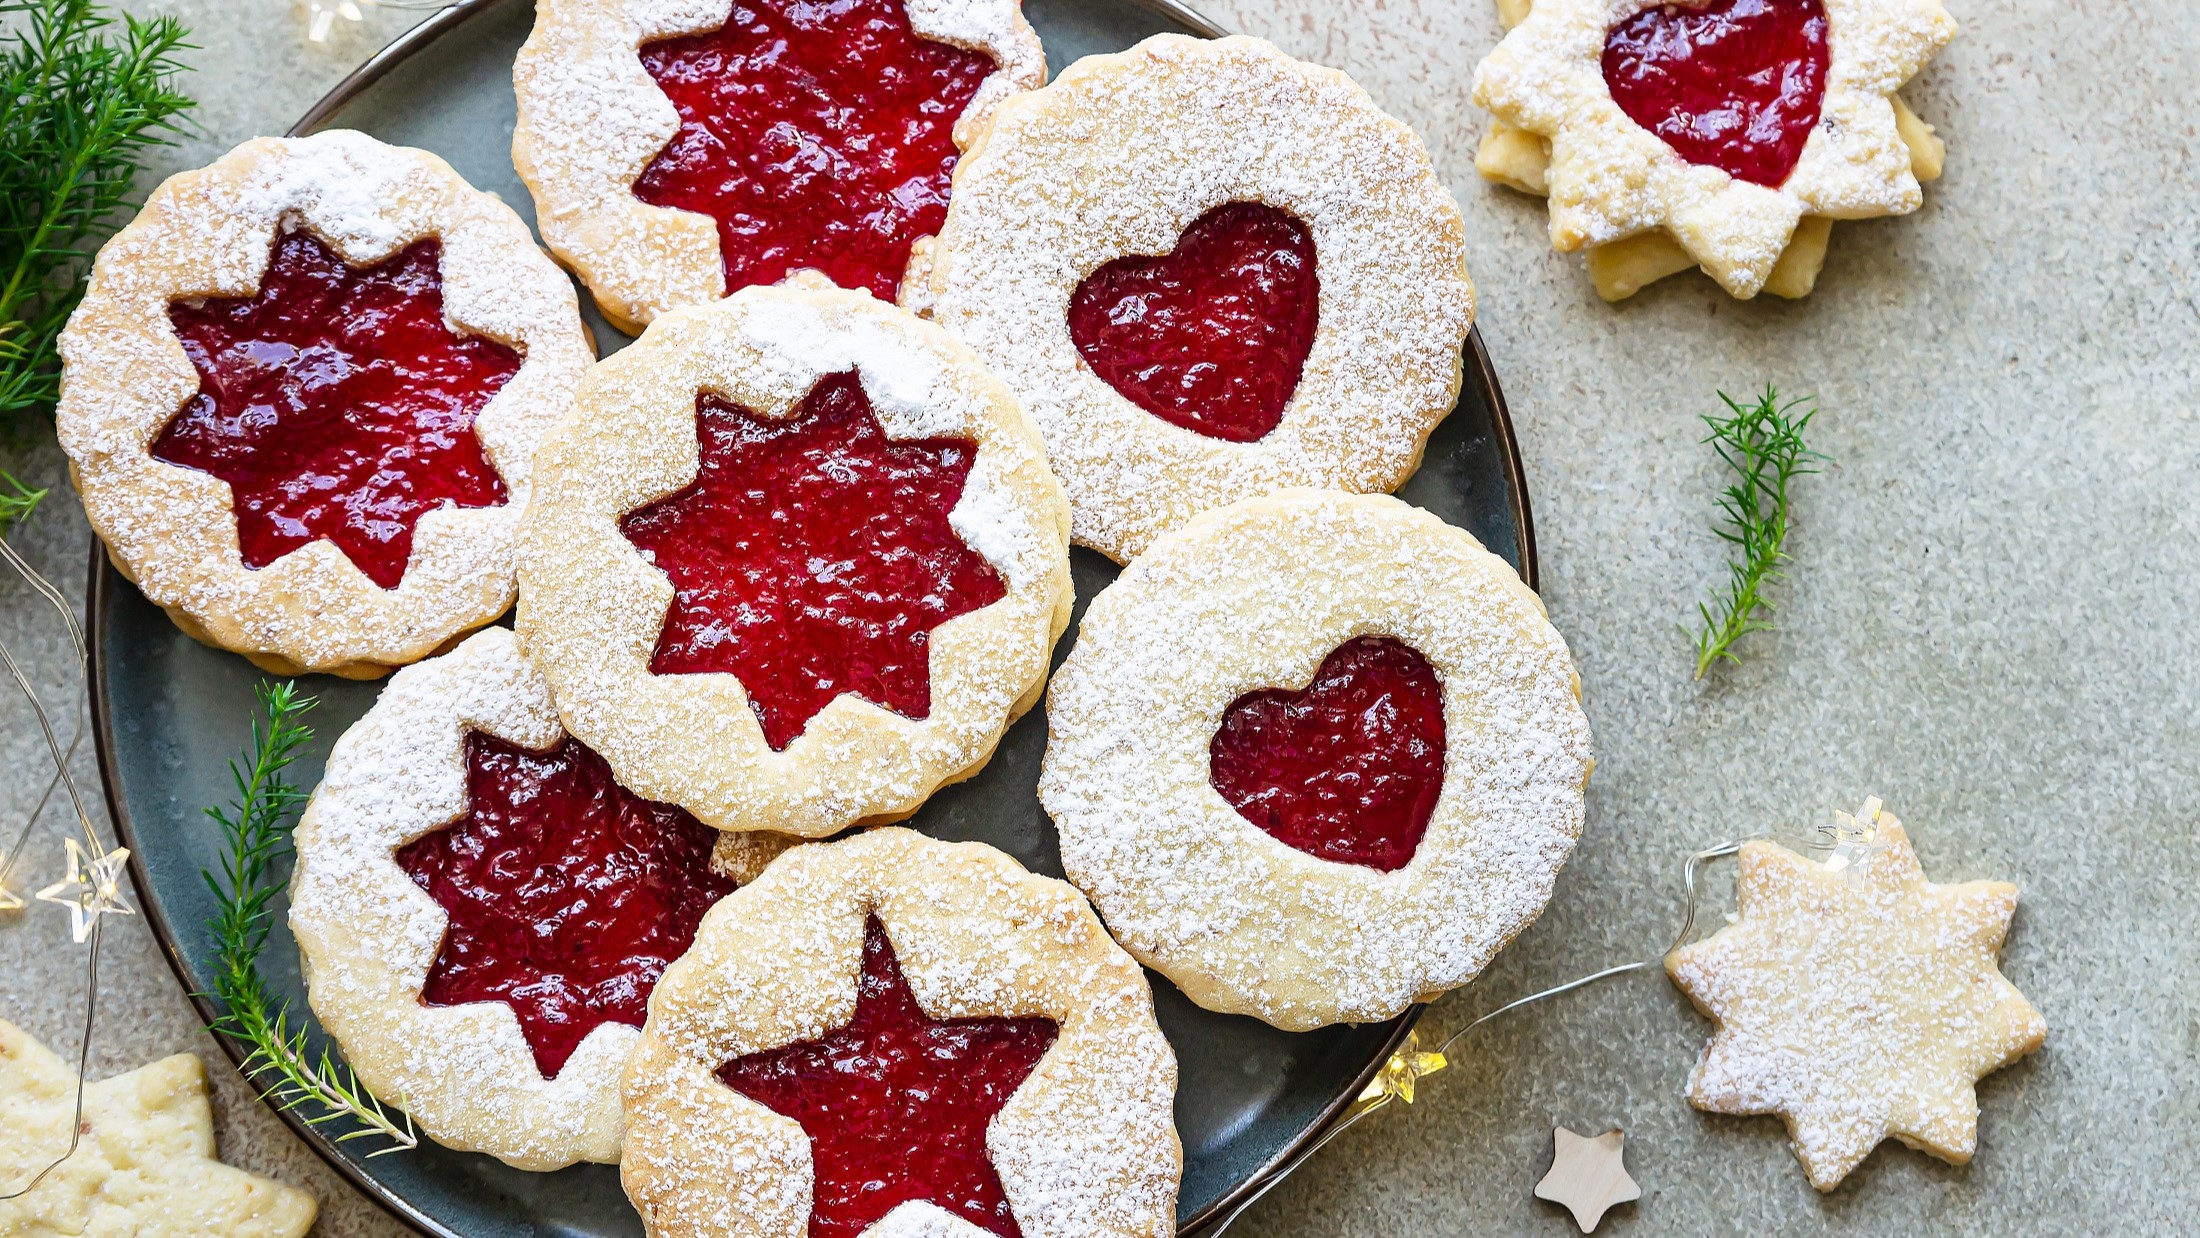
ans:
x=92 y=888
x=1857 y=1000
x=1587 y=1175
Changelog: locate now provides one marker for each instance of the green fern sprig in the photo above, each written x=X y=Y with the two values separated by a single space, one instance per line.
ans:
x=1762 y=443
x=81 y=102
x=257 y=828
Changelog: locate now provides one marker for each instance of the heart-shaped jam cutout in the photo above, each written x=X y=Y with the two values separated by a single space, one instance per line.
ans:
x=337 y=403
x=1213 y=335
x=568 y=895
x=1733 y=84
x=897 y=1103
x=1347 y=769
x=818 y=136
x=812 y=556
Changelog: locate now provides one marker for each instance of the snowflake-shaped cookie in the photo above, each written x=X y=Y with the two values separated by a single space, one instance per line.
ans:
x=1610 y=178
x=1858 y=1001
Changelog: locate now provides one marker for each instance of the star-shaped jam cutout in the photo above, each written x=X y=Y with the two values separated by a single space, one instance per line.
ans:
x=896 y=1103
x=817 y=136
x=567 y=894
x=812 y=556
x=337 y=403
x=1858 y=1003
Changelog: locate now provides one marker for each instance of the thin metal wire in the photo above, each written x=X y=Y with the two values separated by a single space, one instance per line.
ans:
x=63 y=778
x=83 y=1062
x=1689 y=873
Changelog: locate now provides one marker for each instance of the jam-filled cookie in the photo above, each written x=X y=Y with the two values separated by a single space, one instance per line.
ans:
x=890 y=1035
x=1210 y=271
x=795 y=560
x=302 y=396
x=483 y=910
x=1727 y=135
x=678 y=151
x=1316 y=757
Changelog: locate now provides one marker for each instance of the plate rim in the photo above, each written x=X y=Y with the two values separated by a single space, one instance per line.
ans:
x=101 y=576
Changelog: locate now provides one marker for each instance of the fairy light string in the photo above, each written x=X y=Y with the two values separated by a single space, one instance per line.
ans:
x=92 y=888
x=1397 y=1079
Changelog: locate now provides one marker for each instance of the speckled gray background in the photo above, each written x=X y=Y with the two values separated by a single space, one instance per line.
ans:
x=1989 y=623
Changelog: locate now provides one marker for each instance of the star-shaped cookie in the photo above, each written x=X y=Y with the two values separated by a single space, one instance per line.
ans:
x=1857 y=1001
x=145 y=1166
x=1611 y=176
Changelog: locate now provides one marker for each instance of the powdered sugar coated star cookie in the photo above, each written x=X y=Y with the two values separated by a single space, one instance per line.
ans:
x=1858 y=1002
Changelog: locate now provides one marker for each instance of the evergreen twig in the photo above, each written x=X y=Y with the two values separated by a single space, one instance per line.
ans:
x=257 y=828
x=17 y=502
x=1762 y=444
x=82 y=100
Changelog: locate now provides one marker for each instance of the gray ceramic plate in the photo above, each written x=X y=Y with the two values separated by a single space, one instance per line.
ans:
x=171 y=712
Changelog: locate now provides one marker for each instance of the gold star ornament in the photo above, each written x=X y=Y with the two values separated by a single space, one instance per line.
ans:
x=1588 y=1176
x=1857 y=1000
x=144 y=1165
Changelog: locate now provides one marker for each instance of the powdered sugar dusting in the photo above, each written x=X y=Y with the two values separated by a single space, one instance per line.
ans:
x=1118 y=157
x=368 y=934
x=1086 y=1147
x=591 y=120
x=1610 y=178
x=1860 y=1005
x=918 y=1219
x=592 y=606
x=172 y=530
x=1254 y=596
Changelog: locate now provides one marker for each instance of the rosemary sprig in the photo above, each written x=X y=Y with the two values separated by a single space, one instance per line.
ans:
x=81 y=102
x=1762 y=444
x=257 y=829
x=17 y=502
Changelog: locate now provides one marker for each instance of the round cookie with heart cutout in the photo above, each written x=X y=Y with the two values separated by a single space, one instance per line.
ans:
x=302 y=395
x=1316 y=757
x=678 y=152
x=890 y=1035
x=1729 y=133
x=483 y=910
x=795 y=561
x=1209 y=271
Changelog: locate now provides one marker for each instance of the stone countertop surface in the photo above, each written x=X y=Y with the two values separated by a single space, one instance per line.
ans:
x=1989 y=621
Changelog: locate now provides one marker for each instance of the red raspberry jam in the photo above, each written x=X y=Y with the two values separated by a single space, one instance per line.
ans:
x=896 y=1103
x=818 y=135
x=812 y=556
x=568 y=894
x=1733 y=84
x=337 y=403
x=1347 y=770
x=1211 y=336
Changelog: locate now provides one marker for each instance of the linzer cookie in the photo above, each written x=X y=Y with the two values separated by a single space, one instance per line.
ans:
x=1209 y=271
x=483 y=910
x=1727 y=135
x=678 y=152
x=890 y=1035
x=795 y=562
x=302 y=396
x=1316 y=757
